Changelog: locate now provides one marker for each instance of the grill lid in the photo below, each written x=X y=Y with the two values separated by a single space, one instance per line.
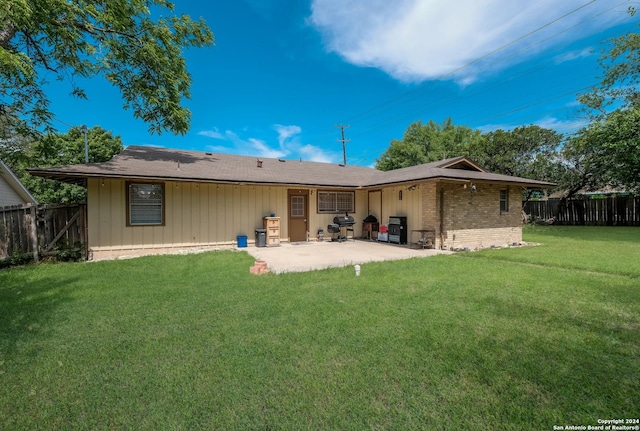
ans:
x=345 y=220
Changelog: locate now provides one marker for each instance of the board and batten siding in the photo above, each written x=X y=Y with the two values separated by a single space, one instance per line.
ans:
x=206 y=214
x=196 y=215
x=319 y=221
x=409 y=206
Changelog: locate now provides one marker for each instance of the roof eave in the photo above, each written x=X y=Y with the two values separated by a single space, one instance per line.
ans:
x=515 y=181
x=81 y=179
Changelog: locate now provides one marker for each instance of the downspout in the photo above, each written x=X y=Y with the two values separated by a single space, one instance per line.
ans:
x=441 y=219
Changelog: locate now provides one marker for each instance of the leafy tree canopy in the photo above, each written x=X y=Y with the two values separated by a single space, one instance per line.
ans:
x=20 y=152
x=428 y=142
x=127 y=42
x=619 y=84
x=607 y=152
x=526 y=151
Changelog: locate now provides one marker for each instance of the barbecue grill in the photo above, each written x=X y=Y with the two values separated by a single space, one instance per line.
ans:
x=345 y=222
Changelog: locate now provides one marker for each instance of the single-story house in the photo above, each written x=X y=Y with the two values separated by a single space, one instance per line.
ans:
x=12 y=191
x=156 y=199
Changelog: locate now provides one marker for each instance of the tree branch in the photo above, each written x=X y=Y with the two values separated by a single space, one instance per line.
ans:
x=32 y=44
x=98 y=32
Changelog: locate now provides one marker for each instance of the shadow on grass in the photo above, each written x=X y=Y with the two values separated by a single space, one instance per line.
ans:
x=27 y=306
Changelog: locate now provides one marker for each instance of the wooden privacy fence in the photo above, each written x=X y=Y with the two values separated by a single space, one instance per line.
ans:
x=42 y=231
x=18 y=232
x=609 y=211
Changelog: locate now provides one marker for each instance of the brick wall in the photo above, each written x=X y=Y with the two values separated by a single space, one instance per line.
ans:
x=472 y=219
x=430 y=217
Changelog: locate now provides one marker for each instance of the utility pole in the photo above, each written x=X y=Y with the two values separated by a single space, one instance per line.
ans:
x=344 y=141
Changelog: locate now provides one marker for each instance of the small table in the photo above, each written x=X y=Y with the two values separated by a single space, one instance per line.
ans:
x=427 y=238
x=369 y=228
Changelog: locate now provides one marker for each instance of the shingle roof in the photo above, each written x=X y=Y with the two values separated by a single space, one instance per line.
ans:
x=433 y=170
x=153 y=163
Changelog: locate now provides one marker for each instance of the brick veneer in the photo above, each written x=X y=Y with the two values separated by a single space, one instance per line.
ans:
x=471 y=219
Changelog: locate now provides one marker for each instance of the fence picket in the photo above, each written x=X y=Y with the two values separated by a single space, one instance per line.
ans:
x=608 y=211
x=29 y=230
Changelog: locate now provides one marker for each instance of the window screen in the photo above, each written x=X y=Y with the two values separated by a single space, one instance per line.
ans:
x=146 y=203
x=336 y=202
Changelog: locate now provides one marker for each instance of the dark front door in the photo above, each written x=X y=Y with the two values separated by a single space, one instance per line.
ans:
x=298 y=209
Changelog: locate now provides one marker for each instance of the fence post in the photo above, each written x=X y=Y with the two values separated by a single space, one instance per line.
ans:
x=33 y=230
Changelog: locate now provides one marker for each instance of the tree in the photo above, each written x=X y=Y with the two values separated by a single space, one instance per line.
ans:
x=607 y=152
x=526 y=151
x=428 y=142
x=15 y=137
x=125 y=41
x=619 y=85
x=56 y=150
x=401 y=154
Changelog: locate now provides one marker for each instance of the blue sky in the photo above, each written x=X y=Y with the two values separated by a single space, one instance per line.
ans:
x=284 y=73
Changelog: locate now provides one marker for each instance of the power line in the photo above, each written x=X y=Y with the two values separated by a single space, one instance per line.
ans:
x=424 y=87
x=451 y=73
x=31 y=105
x=430 y=85
x=427 y=87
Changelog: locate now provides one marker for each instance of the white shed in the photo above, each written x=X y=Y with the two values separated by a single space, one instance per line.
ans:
x=12 y=191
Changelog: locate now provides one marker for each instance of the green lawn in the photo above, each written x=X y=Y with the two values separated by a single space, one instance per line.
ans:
x=514 y=339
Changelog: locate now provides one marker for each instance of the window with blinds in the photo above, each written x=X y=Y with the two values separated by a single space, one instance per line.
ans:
x=145 y=204
x=336 y=202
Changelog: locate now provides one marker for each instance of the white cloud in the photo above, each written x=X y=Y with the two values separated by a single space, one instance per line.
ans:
x=316 y=154
x=574 y=55
x=288 y=145
x=215 y=134
x=264 y=150
x=553 y=123
x=562 y=126
x=493 y=127
x=285 y=133
x=415 y=40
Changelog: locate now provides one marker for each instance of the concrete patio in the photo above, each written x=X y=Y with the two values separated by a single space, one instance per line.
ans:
x=307 y=256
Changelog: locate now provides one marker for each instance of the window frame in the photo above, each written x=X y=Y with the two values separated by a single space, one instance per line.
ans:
x=504 y=201
x=336 y=208
x=128 y=186
x=301 y=207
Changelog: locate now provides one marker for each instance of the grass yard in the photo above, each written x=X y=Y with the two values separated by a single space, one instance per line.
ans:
x=516 y=339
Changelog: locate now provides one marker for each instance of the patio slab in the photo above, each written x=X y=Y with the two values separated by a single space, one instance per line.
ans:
x=308 y=256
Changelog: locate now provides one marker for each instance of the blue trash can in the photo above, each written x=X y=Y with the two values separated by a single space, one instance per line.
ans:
x=242 y=240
